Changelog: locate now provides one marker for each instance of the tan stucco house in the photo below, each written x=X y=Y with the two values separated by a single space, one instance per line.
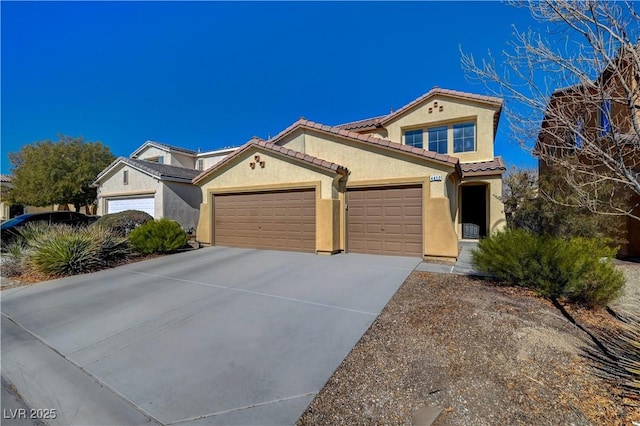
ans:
x=413 y=182
x=156 y=178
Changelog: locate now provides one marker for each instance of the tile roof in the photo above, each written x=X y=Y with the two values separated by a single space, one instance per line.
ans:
x=383 y=120
x=257 y=142
x=158 y=170
x=483 y=168
x=5 y=178
x=366 y=124
x=446 y=92
x=367 y=139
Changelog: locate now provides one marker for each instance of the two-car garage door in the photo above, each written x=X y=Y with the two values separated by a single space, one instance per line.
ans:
x=276 y=220
x=385 y=220
x=380 y=220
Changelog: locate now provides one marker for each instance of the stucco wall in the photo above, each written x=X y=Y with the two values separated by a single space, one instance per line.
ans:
x=151 y=152
x=454 y=111
x=181 y=160
x=366 y=162
x=277 y=172
x=181 y=202
x=212 y=160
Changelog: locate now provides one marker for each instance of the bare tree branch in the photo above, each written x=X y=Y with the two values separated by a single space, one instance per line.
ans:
x=572 y=98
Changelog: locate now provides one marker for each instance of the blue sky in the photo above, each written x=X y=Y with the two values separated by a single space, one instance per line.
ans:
x=212 y=74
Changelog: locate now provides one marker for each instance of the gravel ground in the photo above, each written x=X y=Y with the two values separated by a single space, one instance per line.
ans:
x=485 y=355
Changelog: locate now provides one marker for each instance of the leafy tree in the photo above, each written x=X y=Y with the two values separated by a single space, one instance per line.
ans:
x=46 y=172
x=571 y=97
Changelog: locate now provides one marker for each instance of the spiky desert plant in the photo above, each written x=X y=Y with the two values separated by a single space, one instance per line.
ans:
x=13 y=255
x=62 y=250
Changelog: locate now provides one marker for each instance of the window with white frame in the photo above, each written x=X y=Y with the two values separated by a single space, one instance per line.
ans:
x=464 y=137
x=438 y=139
x=200 y=164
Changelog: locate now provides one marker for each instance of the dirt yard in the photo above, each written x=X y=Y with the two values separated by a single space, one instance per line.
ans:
x=485 y=355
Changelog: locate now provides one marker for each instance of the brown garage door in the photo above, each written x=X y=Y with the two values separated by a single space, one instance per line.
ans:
x=385 y=220
x=282 y=220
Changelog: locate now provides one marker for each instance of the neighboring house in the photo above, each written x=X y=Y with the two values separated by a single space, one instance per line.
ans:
x=411 y=183
x=156 y=179
x=597 y=112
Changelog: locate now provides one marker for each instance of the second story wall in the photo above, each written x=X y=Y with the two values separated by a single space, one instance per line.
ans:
x=182 y=160
x=460 y=128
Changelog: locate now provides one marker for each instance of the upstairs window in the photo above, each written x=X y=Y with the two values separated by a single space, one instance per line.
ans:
x=438 y=139
x=159 y=159
x=605 y=117
x=464 y=137
x=125 y=177
x=413 y=138
x=200 y=164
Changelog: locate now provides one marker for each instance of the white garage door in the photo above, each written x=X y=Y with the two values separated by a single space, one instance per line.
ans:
x=145 y=204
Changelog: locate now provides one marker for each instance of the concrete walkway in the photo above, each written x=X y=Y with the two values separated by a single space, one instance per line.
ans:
x=463 y=265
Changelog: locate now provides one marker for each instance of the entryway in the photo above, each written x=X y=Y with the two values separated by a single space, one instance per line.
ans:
x=473 y=211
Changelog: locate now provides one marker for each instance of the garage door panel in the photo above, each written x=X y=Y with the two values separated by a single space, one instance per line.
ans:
x=279 y=220
x=385 y=220
x=145 y=204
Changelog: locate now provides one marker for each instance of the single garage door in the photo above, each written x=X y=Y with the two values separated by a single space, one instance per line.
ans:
x=282 y=220
x=145 y=204
x=385 y=220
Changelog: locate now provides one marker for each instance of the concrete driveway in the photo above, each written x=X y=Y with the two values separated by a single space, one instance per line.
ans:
x=214 y=336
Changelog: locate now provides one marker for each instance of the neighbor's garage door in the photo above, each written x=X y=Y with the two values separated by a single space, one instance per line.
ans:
x=145 y=204
x=385 y=220
x=283 y=220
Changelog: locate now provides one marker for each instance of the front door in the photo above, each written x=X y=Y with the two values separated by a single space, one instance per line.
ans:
x=474 y=211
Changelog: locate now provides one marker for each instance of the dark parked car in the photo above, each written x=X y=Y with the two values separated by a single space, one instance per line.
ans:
x=11 y=227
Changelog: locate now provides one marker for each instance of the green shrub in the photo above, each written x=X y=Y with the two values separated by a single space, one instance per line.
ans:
x=123 y=222
x=159 y=236
x=578 y=269
x=61 y=250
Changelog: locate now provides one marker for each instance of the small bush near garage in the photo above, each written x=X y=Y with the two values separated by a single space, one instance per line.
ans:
x=578 y=269
x=123 y=223
x=60 y=250
x=159 y=236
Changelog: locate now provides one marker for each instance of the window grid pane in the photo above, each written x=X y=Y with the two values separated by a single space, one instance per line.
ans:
x=413 y=138
x=438 y=139
x=464 y=137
